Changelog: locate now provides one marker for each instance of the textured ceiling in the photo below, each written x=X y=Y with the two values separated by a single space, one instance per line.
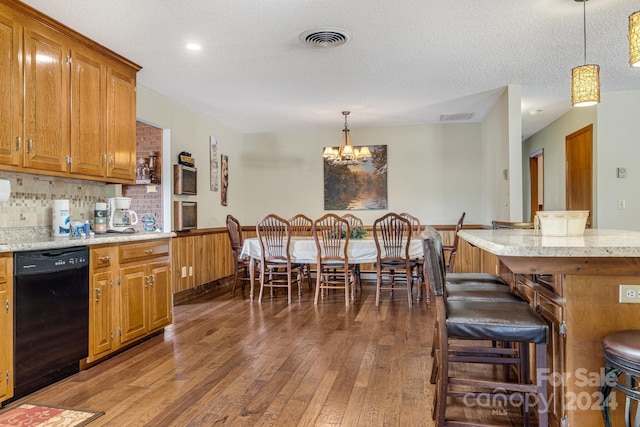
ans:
x=408 y=61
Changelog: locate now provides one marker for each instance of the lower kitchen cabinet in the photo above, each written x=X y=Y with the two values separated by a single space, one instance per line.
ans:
x=131 y=294
x=6 y=326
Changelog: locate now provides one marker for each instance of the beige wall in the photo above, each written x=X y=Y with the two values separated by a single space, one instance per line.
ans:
x=190 y=131
x=615 y=142
x=435 y=171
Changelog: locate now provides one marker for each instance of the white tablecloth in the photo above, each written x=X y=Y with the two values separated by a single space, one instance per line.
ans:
x=303 y=250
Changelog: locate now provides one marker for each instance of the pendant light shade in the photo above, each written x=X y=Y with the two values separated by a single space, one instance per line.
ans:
x=585 y=85
x=585 y=79
x=634 y=39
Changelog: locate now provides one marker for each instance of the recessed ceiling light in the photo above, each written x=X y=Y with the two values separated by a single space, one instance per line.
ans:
x=194 y=46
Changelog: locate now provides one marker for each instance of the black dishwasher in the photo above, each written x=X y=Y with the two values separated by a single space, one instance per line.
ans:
x=51 y=325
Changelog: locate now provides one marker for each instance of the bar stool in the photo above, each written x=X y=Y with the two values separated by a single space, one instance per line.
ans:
x=476 y=321
x=622 y=356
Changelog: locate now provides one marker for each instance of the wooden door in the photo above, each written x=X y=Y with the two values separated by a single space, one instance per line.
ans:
x=121 y=124
x=46 y=72
x=133 y=308
x=10 y=91
x=536 y=178
x=160 y=301
x=101 y=315
x=88 y=90
x=579 y=174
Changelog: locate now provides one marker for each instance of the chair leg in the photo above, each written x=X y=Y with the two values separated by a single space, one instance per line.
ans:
x=235 y=282
x=378 y=286
x=318 y=284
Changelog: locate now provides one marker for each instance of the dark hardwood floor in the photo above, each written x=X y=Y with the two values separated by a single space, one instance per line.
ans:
x=229 y=361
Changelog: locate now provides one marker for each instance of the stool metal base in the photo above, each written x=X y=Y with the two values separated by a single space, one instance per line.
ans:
x=614 y=367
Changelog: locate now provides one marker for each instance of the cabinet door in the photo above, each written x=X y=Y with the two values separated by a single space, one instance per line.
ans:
x=133 y=310
x=6 y=328
x=101 y=315
x=46 y=121
x=159 y=294
x=10 y=91
x=121 y=124
x=88 y=90
x=183 y=256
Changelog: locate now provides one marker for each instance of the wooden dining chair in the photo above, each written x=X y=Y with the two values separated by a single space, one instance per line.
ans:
x=301 y=226
x=276 y=268
x=241 y=266
x=355 y=222
x=392 y=235
x=331 y=234
x=416 y=229
x=452 y=249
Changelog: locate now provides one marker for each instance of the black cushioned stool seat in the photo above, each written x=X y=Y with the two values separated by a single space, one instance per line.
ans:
x=622 y=356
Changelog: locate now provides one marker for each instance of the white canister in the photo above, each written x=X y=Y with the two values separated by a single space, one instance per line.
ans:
x=61 y=218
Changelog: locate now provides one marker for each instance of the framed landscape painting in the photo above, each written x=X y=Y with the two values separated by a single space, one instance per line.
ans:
x=361 y=186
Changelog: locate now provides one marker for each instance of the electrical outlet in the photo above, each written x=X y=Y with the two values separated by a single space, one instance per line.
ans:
x=183 y=272
x=630 y=294
x=622 y=204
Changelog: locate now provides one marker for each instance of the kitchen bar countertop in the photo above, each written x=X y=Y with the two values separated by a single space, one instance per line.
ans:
x=530 y=243
x=38 y=242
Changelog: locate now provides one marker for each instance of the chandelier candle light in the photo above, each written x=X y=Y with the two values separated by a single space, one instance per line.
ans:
x=346 y=154
x=585 y=79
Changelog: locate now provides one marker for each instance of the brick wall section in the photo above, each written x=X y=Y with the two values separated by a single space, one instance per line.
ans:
x=148 y=138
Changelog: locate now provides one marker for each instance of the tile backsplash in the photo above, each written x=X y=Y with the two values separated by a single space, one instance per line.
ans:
x=32 y=199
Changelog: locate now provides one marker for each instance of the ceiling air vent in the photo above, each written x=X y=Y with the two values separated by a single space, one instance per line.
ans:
x=455 y=116
x=325 y=37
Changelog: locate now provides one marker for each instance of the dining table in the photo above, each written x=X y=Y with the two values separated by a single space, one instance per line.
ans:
x=303 y=250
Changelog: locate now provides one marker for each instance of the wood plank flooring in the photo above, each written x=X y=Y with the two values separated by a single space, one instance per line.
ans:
x=229 y=361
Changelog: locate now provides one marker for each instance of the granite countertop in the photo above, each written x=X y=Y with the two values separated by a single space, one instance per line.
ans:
x=39 y=242
x=530 y=243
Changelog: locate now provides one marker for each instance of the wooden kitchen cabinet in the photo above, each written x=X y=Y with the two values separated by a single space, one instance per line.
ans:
x=6 y=326
x=131 y=294
x=10 y=89
x=70 y=103
x=549 y=302
x=46 y=99
x=103 y=302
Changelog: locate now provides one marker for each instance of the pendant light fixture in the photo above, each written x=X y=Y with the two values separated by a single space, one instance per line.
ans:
x=634 y=39
x=346 y=154
x=585 y=79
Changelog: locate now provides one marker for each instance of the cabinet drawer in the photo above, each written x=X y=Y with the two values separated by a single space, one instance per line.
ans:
x=139 y=251
x=101 y=257
x=549 y=308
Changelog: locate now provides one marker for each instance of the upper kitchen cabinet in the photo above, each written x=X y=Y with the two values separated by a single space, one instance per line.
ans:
x=10 y=89
x=46 y=98
x=70 y=102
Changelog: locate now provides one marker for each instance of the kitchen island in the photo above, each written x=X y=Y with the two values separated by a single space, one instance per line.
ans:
x=574 y=283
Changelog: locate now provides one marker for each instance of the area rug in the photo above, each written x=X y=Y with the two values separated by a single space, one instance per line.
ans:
x=35 y=415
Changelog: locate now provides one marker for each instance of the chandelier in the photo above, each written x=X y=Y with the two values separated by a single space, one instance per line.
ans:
x=346 y=154
x=585 y=79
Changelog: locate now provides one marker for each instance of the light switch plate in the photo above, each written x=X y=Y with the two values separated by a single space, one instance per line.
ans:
x=621 y=172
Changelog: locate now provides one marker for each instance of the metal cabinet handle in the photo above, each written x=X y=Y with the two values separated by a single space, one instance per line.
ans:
x=149 y=251
x=8 y=306
x=112 y=160
x=146 y=281
x=98 y=295
x=30 y=146
x=153 y=280
x=19 y=147
x=104 y=259
x=104 y=159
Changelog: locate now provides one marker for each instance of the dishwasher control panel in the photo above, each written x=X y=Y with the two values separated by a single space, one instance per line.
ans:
x=48 y=261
